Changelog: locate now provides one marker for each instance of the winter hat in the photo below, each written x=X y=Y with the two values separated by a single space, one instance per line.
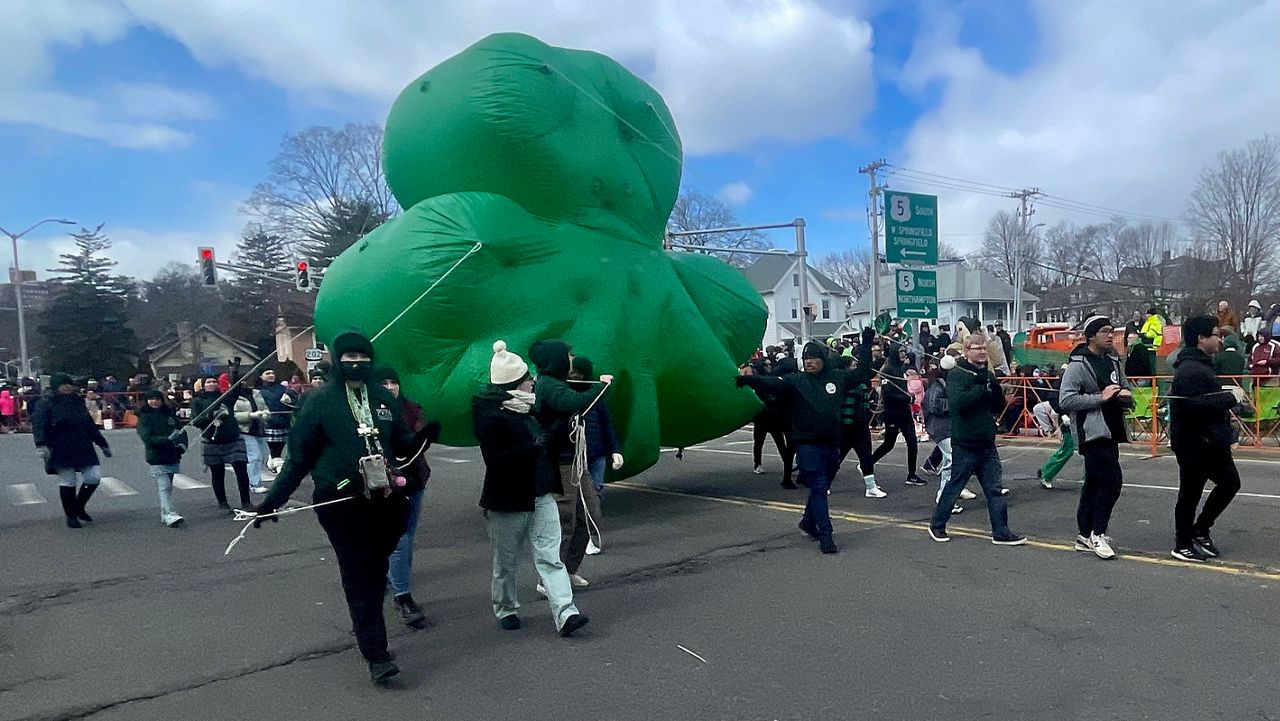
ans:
x=1095 y=324
x=1255 y=304
x=153 y=393
x=384 y=372
x=506 y=367
x=551 y=358
x=58 y=379
x=814 y=349
x=948 y=362
x=584 y=367
x=350 y=341
x=780 y=356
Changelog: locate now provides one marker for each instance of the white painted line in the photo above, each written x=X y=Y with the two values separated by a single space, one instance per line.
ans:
x=1206 y=491
x=447 y=460
x=25 y=494
x=116 y=487
x=187 y=483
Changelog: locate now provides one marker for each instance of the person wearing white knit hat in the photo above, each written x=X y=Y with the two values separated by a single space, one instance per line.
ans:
x=519 y=493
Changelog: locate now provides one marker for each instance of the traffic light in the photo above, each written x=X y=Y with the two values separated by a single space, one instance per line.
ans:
x=208 y=267
x=302 y=278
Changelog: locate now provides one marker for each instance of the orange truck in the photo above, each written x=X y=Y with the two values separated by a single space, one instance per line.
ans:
x=1050 y=344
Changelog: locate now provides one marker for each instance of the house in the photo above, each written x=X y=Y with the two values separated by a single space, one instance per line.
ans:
x=777 y=278
x=963 y=291
x=201 y=350
x=1183 y=286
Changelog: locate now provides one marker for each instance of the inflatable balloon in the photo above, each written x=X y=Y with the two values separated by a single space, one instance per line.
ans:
x=537 y=183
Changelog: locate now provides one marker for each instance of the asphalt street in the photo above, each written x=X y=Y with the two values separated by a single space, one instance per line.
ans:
x=707 y=603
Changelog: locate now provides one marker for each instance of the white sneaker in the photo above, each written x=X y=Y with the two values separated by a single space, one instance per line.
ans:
x=592 y=548
x=578 y=581
x=260 y=489
x=957 y=509
x=758 y=470
x=876 y=492
x=172 y=520
x=967 y=495
x=540 y=589
x=1101 y=546
x=1082 y=544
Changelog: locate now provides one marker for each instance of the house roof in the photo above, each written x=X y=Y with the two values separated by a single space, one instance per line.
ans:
x=168 y=342
x=956 y=281
x=769 y=270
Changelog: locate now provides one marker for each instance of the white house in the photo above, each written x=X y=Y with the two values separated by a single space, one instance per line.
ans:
x=777 y=279
x=963 y=291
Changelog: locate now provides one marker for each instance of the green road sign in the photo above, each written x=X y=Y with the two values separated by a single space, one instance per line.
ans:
x=917 y=293
x=911 y=228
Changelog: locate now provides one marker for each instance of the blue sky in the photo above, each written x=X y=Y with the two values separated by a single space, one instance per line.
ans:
x=158 y=119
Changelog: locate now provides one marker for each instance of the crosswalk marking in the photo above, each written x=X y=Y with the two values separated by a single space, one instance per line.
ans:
x=25 y=494
x=184 y=482
x=116 y=487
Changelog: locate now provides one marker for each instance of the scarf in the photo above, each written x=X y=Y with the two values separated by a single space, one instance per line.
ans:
x=519 y=402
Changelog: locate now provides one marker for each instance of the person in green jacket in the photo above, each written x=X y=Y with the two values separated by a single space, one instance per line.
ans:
x=342 y=430
x=157 y=422
x=1231 y=361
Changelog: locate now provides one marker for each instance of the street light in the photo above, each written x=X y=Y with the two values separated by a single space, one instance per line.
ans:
x=17 y=290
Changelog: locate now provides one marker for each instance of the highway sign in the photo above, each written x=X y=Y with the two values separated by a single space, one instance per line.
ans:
x=917 y=293
x=911 y=228
x=313 y=354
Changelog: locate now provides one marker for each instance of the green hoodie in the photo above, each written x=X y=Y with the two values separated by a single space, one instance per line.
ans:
x=1231 y=361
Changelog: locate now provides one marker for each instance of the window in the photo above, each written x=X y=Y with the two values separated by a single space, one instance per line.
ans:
x=795 y=279
x=826 y=309
x=795 y=308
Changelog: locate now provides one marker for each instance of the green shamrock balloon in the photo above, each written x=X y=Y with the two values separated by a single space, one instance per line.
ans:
x=537 y=182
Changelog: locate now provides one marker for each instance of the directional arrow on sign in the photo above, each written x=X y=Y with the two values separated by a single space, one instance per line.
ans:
x=908 y=310
x=914 y=252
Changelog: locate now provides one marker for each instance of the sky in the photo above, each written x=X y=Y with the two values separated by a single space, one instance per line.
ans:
x=157 y=118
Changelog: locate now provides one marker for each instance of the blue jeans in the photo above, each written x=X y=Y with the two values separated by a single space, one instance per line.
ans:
x=89 y=476
x=541 y=528
x=817 y=466
x=256 y=448
x=163 y=474
x=985 y=463
x=596 y=470
x=400 y=564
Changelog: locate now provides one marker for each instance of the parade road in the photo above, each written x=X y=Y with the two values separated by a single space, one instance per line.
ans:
x=707 y=603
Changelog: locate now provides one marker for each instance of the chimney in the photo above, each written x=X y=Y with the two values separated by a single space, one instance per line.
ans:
x=1166 y=256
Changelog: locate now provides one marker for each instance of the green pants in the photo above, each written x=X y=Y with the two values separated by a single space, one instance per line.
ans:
x=1054 y=465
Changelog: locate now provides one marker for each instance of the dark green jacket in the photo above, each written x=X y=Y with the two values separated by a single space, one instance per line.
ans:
x=1231 y=360
x=155 y=425
x=324 y=442
x=555 y=404
x=975 y=398
x=213 y=427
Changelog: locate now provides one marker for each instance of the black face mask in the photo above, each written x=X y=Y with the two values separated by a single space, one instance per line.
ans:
x=357 y=370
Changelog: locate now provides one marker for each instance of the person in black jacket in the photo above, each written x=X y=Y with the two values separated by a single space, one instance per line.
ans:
x=519 y=495
x=855 y=420
x=1200 y=433
x=157 y=422
x=769 y=422
x=222 y=443
x=896 y=402
x=65 y=435
x=815 y=399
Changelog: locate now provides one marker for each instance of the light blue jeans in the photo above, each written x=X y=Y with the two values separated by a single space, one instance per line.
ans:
x=89 y=476
x=258 y=451
x=541 y=528
x=164 y=485
x=400 y=564
x=596 y=470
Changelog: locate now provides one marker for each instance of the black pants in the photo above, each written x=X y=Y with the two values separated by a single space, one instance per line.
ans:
x=771 y=426
x=363 y=533
x=934 y=458
x=857 y=438
x=1195 y=467
x=217 y=476
x=893 y=425
x=277 y=447
x=1102 y=482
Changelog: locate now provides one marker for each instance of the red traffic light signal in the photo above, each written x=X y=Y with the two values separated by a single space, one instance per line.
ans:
x=302 y=278
x=302 y=265
x=208 y=267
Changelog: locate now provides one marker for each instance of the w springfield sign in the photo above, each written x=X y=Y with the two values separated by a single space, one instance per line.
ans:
x=911 y=228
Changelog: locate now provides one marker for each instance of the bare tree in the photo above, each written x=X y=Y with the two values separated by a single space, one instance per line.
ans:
x=315 y=171
x=1004 y=244
x=851 y=269
x=1069 y=251
x=1236 y=209
x=695 y=210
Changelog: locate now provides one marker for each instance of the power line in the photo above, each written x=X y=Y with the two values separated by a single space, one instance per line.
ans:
x=1081 y=276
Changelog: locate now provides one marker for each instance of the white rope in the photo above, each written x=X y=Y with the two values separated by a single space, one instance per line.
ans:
x=252 y=518
x=474 y=249
x=578 y=433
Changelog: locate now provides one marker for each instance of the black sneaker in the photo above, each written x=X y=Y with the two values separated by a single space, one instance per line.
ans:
x=928 y=468
x=1002 y=492
x=828 y=546
x=1205 y=545
x=571 y=624
x=510 y=623
x=915 y=481
x=789 y=484
x=1011 y=539
x=382 y=671
x=409 y=611
x=1190 y=553
x=939 y=535
x=808 y=529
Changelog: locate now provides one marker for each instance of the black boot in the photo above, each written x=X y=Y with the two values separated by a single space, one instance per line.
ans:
x=81 y=499
x=68 y=496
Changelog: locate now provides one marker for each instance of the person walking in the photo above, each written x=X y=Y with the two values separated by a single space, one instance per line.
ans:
x=770 y=423
x=521 y=482
x=8 y=410
x=1096 y=394
x=282 y=401
x=1200 y=433
x=855 y=419
x=222 y=443
x=603 y=447
x=252 y=415
x=157 y=427
x=937 y=421
x=898 y=419
x=65 y=434
x=974 y=398
x=344 y=438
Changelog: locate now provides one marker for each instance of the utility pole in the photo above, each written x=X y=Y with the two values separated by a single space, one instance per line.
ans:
x=1025 y=211
x=873 y=222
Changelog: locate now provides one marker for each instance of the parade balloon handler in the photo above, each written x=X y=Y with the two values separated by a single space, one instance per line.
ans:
x=344 y=436
x=603 y=447
x=157 y=421
x=222 y=443
x=65 y=435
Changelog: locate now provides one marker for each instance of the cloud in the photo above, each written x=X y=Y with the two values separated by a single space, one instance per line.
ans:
x=733 y=72
x=1121 y=106
x=160 y=102
x=736 y=193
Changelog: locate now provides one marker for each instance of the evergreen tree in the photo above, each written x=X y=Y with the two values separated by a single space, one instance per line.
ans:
x=253 y=301
x=86 y=327
x=173 y=296
x=343 y=224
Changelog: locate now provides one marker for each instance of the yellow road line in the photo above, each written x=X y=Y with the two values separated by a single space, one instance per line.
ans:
x=1227 y=567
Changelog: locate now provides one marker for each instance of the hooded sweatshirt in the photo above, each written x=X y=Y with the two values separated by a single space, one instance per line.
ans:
x=1081 y=396
x=1231 y=361
x=1199 y=412
x=556 y=403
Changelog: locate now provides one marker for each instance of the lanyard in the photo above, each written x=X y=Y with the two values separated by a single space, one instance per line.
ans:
x=364 y=420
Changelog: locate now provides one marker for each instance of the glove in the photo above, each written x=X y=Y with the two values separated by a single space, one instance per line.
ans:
x=740 y=381
x=44 y=452
x=263 y=509
x=1239 y=394
x=542 y=439
x=275 y=464
x=617 y=461
x=606 y=378
x=222 y=412
x=431 y=431
x=106 y=451
x=260 y=415
x=180 y=444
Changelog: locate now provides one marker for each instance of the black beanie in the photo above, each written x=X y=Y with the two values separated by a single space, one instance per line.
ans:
x=1095 y=324
x=584 y=367
x=350 y=341
x=58 y=379
x=814 y=349
x=384 y=371
x=551 y=358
